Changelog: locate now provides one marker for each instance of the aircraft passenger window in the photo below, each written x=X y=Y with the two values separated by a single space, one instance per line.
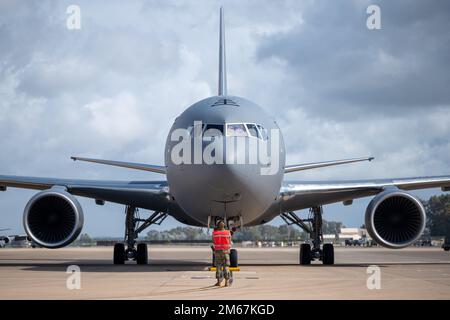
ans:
x=253 y=130
x=236 y=130
x=212 y=130
x=263 y=132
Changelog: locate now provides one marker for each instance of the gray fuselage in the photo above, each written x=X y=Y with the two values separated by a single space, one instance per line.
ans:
x=226 y=188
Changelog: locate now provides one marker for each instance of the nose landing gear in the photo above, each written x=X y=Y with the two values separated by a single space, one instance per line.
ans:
x=233 y=258
x=133 y=226
x=313 y=226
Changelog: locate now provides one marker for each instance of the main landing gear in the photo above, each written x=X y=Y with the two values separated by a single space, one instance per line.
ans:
x=313 y=226
x=133 y=226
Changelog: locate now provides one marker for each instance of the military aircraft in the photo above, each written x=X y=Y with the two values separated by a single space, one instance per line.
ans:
x=4 y=239
x=211 y=174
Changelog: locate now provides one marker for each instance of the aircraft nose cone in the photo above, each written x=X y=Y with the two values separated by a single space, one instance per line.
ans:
x=226 y=182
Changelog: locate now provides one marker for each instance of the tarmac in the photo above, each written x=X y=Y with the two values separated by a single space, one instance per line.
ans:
x=181 y=272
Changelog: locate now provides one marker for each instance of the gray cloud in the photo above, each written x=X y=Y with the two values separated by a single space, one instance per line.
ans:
x=113 y=88
x=341 y=67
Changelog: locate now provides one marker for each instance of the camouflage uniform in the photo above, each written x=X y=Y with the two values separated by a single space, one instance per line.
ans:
x=222 y=263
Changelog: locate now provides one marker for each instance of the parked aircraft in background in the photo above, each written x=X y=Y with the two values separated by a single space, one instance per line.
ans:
x=13 y=240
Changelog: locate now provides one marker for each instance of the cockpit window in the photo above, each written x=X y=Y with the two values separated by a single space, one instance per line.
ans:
x=213 y=130
x=253 y=130
x=246 y=130
x=263 y=132
x=236 y=130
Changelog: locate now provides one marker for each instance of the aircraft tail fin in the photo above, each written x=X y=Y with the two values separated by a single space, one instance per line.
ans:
x=222 y=58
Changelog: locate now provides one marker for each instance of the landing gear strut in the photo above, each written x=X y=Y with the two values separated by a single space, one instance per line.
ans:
x=133 y=226
x=312 y=226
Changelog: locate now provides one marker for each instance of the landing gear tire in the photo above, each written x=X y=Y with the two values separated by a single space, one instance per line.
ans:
x=134 y=225
x=233 y=258
x=328 y=254
x=119 y=253
x=142 y=253
x=305 y=254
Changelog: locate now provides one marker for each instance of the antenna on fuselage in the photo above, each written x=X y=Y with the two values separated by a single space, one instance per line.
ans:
x=222 y=58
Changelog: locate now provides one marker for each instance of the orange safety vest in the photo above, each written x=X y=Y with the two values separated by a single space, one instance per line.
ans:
x=222 y=240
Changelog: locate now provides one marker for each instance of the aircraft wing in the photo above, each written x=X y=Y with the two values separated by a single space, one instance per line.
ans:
x=297 y=195
x=129 y=165
x=315 y=165
x=153 y=195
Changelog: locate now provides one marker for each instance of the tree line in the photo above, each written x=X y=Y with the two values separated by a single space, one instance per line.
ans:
x=438 y=215
x=257 y=233
x=438 y=224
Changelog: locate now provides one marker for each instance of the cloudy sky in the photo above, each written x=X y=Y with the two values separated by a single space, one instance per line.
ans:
x=112 y=89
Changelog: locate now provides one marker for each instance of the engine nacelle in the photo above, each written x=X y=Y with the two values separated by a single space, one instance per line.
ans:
x=53 y=218
x=395 y=219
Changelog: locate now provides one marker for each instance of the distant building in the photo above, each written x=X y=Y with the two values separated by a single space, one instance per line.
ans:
x=329 y=238
x=352 y=234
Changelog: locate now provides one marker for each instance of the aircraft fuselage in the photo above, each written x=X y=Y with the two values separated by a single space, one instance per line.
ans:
x=221 y=178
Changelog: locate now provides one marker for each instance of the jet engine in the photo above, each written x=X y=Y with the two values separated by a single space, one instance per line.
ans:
x=395 y=219
x=53 y=218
